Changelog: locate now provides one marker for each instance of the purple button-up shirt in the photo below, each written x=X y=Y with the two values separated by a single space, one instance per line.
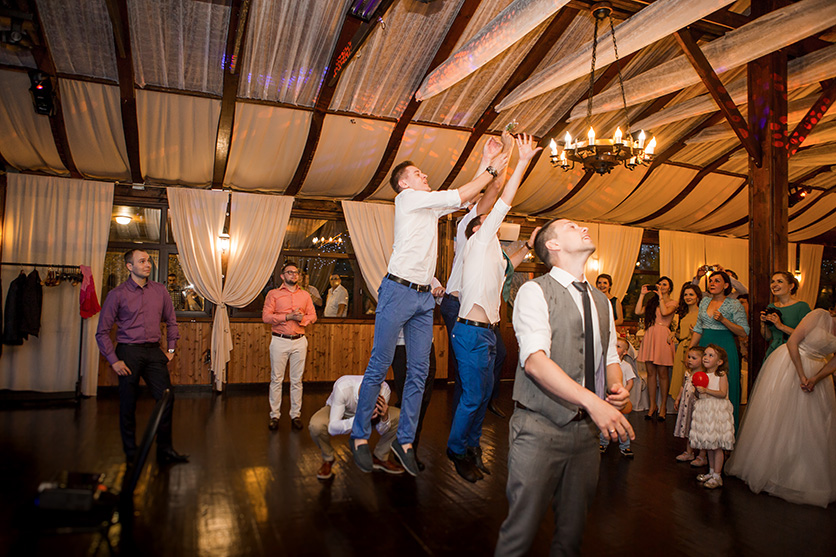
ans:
x=137 y=312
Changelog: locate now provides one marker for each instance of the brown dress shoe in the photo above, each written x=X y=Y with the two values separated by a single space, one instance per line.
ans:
x=324 y=472
x=296 y=423
x=274 y=424
x=387 y=466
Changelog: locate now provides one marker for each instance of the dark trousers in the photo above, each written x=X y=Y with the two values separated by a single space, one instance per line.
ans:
x=449 y=312
x=499 y=362
x=399 y=371
x=149 y=362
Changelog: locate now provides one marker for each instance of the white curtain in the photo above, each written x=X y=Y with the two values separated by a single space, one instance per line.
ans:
x=372 y=230
x=680 y=253
x=257 y=225
x=810 y=267
x=59 y=221
x=618 y=250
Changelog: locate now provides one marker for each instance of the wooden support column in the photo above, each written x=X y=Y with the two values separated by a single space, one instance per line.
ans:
x=769 y=183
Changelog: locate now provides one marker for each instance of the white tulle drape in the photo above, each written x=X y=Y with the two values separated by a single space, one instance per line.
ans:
x=58 y=221
x=257 y=224
x=372 y=230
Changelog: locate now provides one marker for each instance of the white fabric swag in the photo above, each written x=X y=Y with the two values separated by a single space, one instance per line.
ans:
x=60 y=221
x=372 y=230
x=256 y=227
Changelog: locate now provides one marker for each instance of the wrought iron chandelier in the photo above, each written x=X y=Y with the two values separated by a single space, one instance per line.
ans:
x=602 y=155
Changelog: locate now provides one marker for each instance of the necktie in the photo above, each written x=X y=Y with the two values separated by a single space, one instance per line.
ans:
x=588 y=340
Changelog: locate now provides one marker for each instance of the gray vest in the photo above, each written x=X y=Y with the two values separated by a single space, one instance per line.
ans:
x=567 y=347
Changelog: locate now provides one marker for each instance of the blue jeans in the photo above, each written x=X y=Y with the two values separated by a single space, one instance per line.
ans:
x=604 y=440
x=449 y=308
x=475 y=351
x=398 y=307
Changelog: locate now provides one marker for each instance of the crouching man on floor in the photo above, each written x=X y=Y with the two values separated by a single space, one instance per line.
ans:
x=337 y=418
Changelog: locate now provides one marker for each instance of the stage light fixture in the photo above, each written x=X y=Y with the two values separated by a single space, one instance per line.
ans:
x=42 y=93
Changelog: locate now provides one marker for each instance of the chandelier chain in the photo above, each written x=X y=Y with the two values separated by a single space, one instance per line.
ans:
x=592 y=75
x=620 y=78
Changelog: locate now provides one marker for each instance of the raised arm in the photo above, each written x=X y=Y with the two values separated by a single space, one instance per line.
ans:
x=518 y=256
x=525 y=144
x=489 y=152
x=468 y=192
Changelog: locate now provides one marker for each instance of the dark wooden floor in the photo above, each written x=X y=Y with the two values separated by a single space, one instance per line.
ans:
x=249 y=491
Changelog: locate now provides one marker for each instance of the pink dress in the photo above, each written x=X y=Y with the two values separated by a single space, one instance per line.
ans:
x=655 y=347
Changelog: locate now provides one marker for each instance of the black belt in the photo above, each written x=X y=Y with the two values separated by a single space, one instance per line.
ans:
x=142 y=344
x=478 y=323
x=578 y=417
x=412 y=285
x=289 y=337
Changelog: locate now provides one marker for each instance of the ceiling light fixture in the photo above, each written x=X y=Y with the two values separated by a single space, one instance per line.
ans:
x=602 y=155
x=124 y=220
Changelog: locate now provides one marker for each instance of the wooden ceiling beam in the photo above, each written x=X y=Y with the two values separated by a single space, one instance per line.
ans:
x=238 y=19
x=718 y=93
x=572 y=193
x=118 y=11
x=680 y=197
x=353 y=33
x=45 y=63
x=454 y=33
x=535 y=55
x=813 y=116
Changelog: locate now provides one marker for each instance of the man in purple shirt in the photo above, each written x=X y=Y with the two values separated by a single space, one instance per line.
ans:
x=138 y=306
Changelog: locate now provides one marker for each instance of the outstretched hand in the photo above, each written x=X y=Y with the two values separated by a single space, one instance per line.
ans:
x=612 y=423
x=491 y=149
x=533 y=236
x=507 y=141
x=526 y=146
x=500 y=161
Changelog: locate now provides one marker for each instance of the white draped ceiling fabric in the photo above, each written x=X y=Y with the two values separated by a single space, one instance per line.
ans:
x=257 y=226
x=372 y=230
x=63 y=222
x=618 y=250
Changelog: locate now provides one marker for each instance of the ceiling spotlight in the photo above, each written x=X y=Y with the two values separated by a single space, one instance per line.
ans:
x=797 y=193
x=42 y=95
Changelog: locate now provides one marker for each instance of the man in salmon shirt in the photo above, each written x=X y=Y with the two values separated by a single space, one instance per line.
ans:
x=289 y=309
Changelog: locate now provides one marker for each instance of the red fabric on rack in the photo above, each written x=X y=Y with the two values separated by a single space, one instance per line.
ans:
x=88 y=298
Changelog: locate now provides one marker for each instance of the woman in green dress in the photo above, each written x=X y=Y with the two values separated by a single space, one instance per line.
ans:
x=787 y=311
x=687 y=311
x=720 y=319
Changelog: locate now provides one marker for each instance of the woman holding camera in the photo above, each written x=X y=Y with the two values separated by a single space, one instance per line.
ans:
x=781 y=317
x=719 y=320
x=656 y=350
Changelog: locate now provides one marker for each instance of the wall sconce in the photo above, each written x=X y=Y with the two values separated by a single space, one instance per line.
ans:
x=124 y=220
x=223 y=242
x=594 y=264
x=797 y=275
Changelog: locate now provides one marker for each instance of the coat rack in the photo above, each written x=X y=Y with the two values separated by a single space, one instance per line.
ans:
x=77 y=274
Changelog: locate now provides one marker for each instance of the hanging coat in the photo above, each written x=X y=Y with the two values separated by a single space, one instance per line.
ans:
x=12 y=334
x=33 y=297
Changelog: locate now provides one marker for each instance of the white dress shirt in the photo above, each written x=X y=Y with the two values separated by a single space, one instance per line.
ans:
x=454 y=283
x=531 y=319
x=483 y=267
x=336 y=296
x=415 y=251
x=343 y=403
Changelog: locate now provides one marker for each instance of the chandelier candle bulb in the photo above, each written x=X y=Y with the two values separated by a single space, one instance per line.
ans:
x=591 y=136
x=616 y=139
x=651 y=146
x=642 y=137
x=553 y=147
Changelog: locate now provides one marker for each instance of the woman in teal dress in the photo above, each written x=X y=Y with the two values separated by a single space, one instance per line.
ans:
x=776 y=327
x=721 y=319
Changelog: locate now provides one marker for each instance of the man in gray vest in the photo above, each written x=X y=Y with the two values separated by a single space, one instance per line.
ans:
x=568 y=388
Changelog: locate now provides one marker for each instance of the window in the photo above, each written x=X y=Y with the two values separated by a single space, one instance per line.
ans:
x=646 y=272
x=147 y=227
x=827 y=282
x=322 y=249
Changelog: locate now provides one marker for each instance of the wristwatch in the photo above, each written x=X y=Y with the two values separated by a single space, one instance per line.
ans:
x=527 y=246
x=492 y=171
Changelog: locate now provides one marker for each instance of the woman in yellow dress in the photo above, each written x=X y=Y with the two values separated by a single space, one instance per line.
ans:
x=687 y=311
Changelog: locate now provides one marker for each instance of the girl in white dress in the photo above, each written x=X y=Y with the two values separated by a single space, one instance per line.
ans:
x=712 y=425
x=787 y=443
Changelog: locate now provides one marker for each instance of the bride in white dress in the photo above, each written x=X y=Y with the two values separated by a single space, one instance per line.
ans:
x=787 y=441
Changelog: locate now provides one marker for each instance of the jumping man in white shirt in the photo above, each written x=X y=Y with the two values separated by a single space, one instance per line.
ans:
x=474 y=341
x=405 y=301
